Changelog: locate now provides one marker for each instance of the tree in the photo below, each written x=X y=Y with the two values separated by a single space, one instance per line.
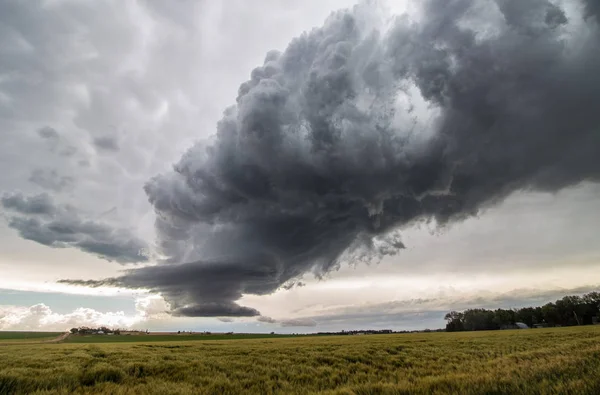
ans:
x=455 y=323
x=478 y=320
x=529 y=316
x=551 y=314
x=74 y=330
x=84 y=330
x=504 y=318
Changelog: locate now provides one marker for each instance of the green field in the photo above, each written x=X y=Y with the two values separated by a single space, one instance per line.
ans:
x=536 y=361
x=167 y=338
x=24 y=336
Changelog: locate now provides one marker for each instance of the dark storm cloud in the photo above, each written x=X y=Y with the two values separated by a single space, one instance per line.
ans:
x=266 y=319
x=34 y=205
x=50 y=179
x=39 y=219
x=329 y=147
x=106 y=143
x=592 y=8
x=215 y=310
x=292 y=284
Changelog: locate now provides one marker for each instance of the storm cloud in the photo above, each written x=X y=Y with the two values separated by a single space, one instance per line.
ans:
x=40 y=219
x=368 y=125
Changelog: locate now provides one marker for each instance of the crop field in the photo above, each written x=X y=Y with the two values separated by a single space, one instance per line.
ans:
x=536 y=361
x=23 y=336
x=168 y=338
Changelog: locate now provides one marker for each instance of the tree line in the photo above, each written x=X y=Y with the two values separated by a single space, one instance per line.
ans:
x=568 y=311
x=84 y=330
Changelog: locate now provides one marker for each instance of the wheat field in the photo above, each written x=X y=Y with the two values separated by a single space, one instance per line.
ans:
x=26 y=336
x=536 y=361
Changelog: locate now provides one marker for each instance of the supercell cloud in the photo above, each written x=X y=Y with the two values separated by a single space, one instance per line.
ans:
x=367 y=125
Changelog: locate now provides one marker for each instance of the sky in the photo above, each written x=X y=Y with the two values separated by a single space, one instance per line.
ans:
x=294 y=166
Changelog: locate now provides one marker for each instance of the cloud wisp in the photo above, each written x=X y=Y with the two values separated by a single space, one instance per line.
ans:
x=367 y=125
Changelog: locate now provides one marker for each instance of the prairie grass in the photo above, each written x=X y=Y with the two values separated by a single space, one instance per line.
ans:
x=537 y=361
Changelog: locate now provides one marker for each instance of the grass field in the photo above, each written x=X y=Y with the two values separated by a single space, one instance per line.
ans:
x=24 y=336
x=167 y=338
x=537 y=361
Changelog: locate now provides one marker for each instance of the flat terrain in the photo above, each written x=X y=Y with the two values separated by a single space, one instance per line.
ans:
x=536 y=361
x=27 y=336
x=167 y=338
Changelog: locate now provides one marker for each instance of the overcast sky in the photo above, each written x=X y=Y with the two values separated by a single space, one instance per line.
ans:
x=99 y=97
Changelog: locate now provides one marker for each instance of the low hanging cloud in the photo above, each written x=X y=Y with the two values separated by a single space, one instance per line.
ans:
x=40 y=219
x=267 y=320
x=298 y=322
x=290 y=322
x=367 y=125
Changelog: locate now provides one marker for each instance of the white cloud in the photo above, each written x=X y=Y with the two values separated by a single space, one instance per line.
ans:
x=40 y=317
x=152 y=307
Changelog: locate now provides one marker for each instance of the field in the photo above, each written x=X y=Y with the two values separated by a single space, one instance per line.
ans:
x=168 y=338
x=26 y=336
x=536 y=361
